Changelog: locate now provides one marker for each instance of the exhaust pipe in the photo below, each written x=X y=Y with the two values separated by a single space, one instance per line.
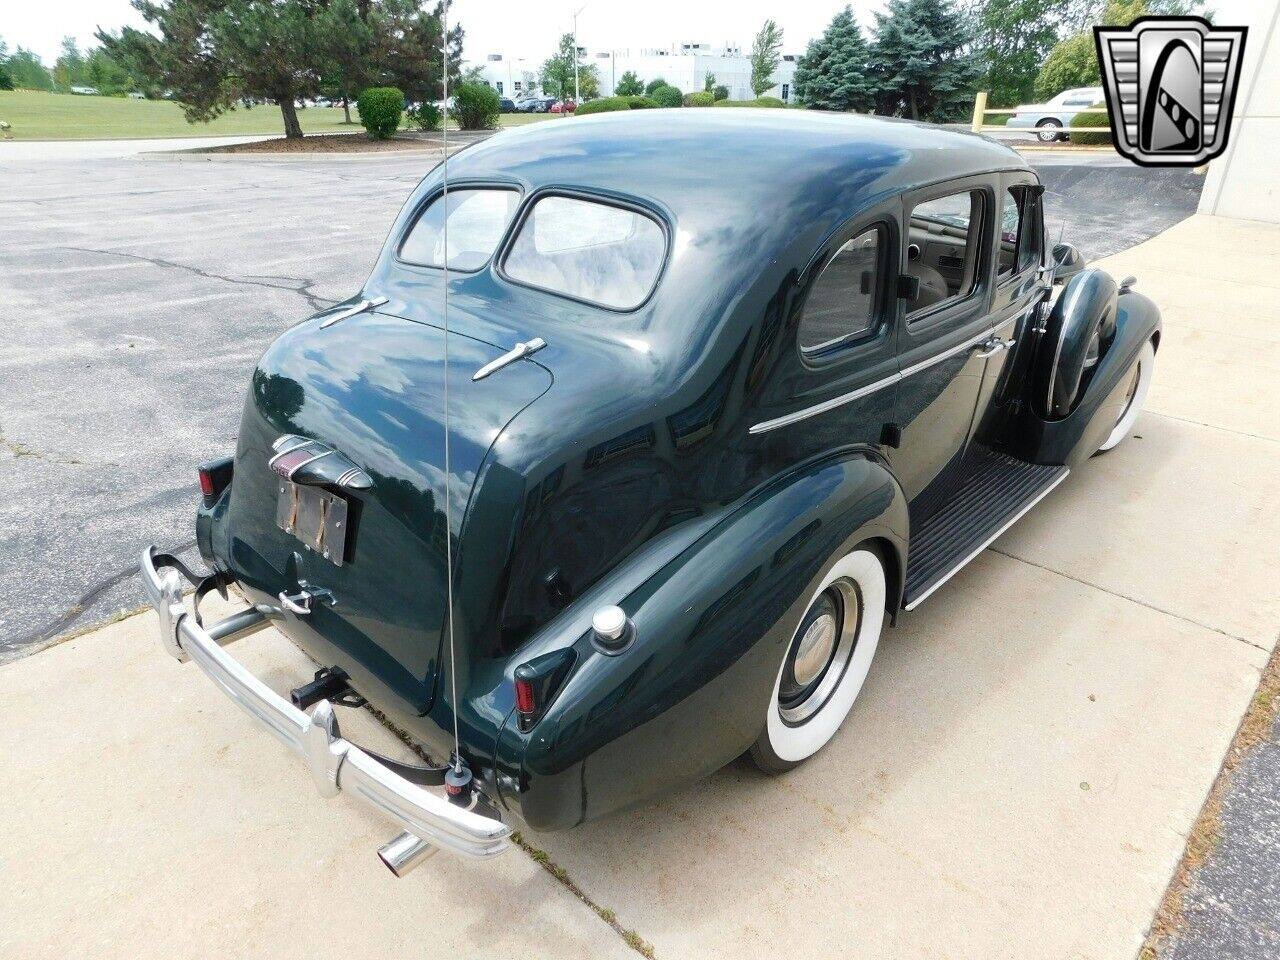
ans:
x=405 y=852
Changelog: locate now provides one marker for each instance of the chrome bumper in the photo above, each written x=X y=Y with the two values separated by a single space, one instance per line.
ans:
x=336 y=764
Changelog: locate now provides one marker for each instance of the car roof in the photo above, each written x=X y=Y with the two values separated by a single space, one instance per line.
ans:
x=689 y=158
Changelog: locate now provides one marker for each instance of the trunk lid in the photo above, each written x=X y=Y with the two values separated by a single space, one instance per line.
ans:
x=371 y=387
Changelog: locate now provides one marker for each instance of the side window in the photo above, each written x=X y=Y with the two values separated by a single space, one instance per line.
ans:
x=477 y=220
x=942 y=249
x=1010 y=230
x=1020 y=233
x=842 y=302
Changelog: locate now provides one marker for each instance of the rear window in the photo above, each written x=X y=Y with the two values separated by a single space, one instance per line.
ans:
x=607 y=255
x=477 y=219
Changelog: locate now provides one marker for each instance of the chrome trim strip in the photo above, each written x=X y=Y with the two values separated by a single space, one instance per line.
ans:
x=986 y=543
x=336 y=764
x=765 y=426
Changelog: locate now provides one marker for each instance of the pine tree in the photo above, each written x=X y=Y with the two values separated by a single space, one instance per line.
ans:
x=629 y=85
x=832 y=75
x=920 y=62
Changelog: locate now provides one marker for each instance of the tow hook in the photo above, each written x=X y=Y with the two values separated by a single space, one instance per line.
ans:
x=299 y=604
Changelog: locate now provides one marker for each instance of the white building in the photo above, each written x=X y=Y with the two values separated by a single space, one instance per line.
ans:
x=683 y=65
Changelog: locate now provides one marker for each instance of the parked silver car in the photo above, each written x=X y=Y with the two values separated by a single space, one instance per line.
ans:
x=1048 y=119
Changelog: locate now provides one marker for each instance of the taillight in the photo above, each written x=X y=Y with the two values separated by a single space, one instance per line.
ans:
x=537 y=682
x=215 y=476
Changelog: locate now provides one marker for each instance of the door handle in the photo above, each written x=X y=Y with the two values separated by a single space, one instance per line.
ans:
x=989 y=348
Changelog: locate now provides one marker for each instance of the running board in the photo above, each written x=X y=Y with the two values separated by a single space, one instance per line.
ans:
x=989 y=501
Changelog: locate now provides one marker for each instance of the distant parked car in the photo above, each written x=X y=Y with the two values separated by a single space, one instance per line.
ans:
x=506 y=105
x=534 y=105
x=563 y=106
x=85 y=91
x=1048 y=119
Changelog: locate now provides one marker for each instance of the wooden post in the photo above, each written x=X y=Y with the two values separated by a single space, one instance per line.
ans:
x=979 y=111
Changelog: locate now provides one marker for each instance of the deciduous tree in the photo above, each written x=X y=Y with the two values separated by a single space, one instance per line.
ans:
x=629 y=85
x=765 y=56
x=833 y=74
x=1011 y=40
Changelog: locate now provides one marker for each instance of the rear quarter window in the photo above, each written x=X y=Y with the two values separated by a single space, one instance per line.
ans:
x=603 y=254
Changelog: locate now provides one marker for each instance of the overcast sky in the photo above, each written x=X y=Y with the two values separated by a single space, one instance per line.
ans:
x=511 y=27
x=522 y=28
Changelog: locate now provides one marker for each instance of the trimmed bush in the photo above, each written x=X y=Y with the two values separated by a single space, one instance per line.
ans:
x=425 y=116
x=667 y=97
x=1092 y=120
x=653 y=85
x=703 y=98
x=721 y=92
x=610 y=104
x=603 y=105
x=476 y=106
x=771 y=102
x=380 y=109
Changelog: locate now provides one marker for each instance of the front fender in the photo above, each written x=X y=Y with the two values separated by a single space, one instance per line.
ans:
x=689 y=694
x=1077 y=435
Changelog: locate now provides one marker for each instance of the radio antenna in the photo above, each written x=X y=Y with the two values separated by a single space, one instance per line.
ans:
x=448 y=466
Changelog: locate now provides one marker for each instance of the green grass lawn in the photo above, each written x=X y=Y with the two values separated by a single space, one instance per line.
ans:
x=53 y=116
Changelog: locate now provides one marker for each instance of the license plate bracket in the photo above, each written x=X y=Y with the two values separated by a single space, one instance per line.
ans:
x=316 y=517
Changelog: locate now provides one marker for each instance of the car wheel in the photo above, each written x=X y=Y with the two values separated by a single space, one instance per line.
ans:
x=1135 y=396
x=825 y=664
x=1047 y=130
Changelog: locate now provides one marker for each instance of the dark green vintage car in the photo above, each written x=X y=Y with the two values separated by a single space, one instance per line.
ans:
x=716 y=397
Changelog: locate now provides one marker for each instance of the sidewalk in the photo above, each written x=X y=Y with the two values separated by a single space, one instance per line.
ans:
x=1017 y=780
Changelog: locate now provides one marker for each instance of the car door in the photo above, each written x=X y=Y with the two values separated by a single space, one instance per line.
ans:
x=942 y=329
x=1018 y=292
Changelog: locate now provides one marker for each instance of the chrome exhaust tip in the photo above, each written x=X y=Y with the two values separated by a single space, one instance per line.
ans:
x=405 y=852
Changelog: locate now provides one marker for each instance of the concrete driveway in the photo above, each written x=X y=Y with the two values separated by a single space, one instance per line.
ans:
x=1017 y=779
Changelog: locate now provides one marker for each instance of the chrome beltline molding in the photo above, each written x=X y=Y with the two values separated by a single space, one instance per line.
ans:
x=765 y=426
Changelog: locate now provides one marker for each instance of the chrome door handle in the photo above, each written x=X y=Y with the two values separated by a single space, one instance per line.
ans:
x=989 y=348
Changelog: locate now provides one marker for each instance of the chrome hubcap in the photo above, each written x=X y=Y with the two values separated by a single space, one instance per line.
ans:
x=820 y=652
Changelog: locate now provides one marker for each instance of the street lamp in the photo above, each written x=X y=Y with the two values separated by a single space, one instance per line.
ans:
x=576 y=98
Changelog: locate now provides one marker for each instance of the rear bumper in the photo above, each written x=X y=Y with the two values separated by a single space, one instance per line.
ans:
x=336 y=764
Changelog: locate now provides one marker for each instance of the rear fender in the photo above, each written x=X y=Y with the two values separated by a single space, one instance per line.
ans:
x=1076 y=436
x=689 y=694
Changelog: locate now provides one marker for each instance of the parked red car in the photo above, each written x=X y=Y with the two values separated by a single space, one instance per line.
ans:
x=564 y=106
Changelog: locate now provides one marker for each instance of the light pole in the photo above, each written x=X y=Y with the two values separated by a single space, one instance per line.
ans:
x=575 y=52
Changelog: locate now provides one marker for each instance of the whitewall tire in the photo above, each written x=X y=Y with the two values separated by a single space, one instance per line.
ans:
x=825 y=664
x=1136 y=396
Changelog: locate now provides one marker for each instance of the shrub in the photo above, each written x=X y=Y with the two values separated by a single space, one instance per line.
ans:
x=476 y=106
x=667 y=97
x=758 y=102
x=380 y=109
x=641 y=103
x=703 y=98
x=603 y=105
x=629 y=85
x=721 y=92
x=425 y=116
x=1092 y=120
x=653 y=85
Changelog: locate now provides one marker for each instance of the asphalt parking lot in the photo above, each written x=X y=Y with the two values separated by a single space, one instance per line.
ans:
x=142 y=289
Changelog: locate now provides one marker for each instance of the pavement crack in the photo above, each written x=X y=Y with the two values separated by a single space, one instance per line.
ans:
x=1125 y=596
x=1211 y=426
x=71 y=613
x=300 y=285
x=20 y=451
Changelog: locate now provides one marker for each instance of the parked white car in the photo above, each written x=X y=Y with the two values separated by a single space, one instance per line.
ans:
x=1048 y=119
x=85 y=91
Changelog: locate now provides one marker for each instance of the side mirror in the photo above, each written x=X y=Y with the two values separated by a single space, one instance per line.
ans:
x=1067 y=262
